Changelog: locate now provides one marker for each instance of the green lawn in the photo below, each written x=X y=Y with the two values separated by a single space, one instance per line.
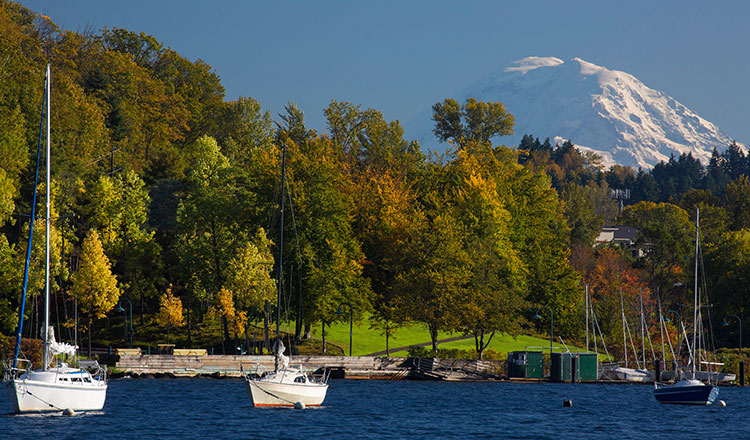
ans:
x=366 y=341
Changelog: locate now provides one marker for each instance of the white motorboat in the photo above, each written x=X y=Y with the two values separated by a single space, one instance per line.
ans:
x=61 y=387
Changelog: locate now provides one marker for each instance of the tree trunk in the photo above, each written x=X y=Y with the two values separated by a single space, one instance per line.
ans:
x=226 y=335
x=308 y=330
x=387 y=335
x=91 y=321
x=298 y=330
x=247 y=341
x=189 y=341
x=434 y=338
x=480 y=345
x=323 y=335
x=225 y=323
x=266 y=342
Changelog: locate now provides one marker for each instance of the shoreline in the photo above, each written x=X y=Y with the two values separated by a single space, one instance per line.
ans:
x=163 y=366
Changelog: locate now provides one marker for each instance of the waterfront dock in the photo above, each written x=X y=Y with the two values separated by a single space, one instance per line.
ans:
x=354 y=367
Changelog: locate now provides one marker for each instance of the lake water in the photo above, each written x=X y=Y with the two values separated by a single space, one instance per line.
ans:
x=361 y=409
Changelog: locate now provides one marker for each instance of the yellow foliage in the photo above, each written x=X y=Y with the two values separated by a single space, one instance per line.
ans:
x=94 y=285
x=170 y=310
x=224 y=308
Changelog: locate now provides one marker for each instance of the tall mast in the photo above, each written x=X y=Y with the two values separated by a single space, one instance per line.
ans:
x=281 y=256
x=45 y=331
x=695 y=286
x=624 y=325
x=586 y=301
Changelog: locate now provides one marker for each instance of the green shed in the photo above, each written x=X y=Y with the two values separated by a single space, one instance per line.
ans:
x=586 y=366
x=527 y=364
x=560 y=368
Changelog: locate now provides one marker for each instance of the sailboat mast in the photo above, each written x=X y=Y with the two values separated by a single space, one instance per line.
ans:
x=624 y=325
x=643 y=330
x=695 y=286
x=586 y=301
x=281 y=256
x=45 y=331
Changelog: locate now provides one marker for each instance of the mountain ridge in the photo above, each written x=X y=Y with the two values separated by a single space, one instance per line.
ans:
x=609 y=112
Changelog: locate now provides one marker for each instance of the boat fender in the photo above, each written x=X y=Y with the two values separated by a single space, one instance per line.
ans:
x=299 y=405
x=567 y=403
x=68 y=412
x=722 y=403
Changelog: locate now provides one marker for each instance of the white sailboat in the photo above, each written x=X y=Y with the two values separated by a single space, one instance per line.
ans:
x=690 y=391
x=284 y=386
x=60 y=387
x=626 y=373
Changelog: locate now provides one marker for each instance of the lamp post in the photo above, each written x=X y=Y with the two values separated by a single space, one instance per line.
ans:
x=351 y=320
x=724 y=323
x=551 y=327
x=119 y=308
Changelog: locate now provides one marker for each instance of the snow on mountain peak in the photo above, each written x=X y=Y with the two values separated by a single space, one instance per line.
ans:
x=610 y=112
x=531 y=63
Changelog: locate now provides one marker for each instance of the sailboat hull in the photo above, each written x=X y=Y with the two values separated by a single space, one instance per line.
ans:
x=276 y=393
x=687 y=394
x=41 y=396
x=632 y=375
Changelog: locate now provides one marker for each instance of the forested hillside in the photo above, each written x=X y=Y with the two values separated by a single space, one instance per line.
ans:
x=163 y=185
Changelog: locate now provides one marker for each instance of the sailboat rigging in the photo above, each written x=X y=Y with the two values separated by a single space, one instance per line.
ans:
x=690 y=391
x=284 y=386
x=61 y=387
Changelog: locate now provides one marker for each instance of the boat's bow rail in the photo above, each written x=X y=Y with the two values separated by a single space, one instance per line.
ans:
x=97 y=371
x=10 y=372
x=252 y=370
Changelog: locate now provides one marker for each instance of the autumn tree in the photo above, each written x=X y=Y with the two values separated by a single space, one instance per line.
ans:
x=170 y=311
x=249 y=274
x=381 y=167
x=224 y=308
x=94 y=286
x=493 y=296
x=432 y=283
x=614 y=285
x=118 y=207
x=322 y=247
x=207 y=223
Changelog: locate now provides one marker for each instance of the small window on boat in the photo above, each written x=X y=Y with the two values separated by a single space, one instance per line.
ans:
x=64 y=379
x=300 y=379
x=86 y=379
x=76 y=379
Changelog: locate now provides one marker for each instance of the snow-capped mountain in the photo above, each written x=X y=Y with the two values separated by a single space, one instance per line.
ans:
x=606 y=111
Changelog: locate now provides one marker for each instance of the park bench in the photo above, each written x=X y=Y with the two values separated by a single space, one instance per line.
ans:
x=128 y=351
x=190 y=352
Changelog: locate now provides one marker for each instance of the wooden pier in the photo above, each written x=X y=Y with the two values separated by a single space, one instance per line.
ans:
x=355 y=367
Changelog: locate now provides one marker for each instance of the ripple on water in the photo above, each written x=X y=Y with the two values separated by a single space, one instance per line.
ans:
x=208 y=409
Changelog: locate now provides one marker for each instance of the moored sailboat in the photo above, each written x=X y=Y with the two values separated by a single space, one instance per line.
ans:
x=284 y=386
x=51 y=388
x=690 y=391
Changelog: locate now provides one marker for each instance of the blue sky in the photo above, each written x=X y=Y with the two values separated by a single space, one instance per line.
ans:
x=400 y=57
